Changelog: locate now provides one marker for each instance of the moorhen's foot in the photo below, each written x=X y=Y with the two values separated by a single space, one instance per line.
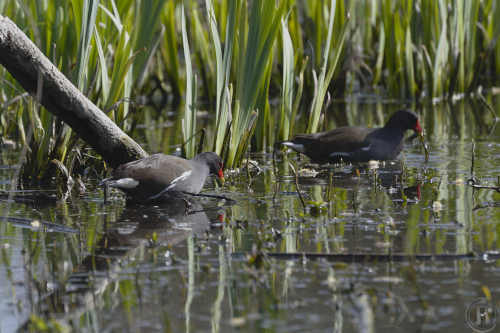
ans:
x=188 y=206
x=106 y=192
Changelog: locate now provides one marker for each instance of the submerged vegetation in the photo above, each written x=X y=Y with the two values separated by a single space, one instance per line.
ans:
x=256 y=66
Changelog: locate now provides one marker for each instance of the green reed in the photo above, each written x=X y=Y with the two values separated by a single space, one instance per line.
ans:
x=101 y=46
x=223 y=70
x=189 y=121
x=328 y=67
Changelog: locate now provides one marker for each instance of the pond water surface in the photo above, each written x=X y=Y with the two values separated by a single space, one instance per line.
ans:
x=240 y=267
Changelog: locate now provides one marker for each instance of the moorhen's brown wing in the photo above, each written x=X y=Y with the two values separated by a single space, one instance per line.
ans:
x=335 y=145
x=358 y=144
x=161 y=175
x=153 y=173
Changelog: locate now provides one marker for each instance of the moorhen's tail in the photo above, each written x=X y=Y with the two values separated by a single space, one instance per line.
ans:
x=278 y=144
x=299 y=143
x=287 y=143
x=105 y=181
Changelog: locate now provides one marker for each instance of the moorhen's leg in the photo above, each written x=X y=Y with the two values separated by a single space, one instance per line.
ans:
x=188 y=205
x=105 y=190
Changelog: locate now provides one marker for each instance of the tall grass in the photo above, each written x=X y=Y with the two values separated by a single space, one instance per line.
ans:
x=90 y=42
x=223 y=70
x=256 y=39
x=257 y=62
x=291 y=90
x=170 y=63
x=255 y=28
x=287 y=116
x=328 y=67
x=189 y=121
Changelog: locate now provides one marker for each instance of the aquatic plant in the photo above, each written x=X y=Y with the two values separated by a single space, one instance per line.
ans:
x=101 y=47
x=259 y=65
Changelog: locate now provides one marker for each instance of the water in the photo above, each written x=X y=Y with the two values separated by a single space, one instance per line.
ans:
x=162 y=269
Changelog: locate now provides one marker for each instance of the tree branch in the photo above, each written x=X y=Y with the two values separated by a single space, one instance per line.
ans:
x=26 y=63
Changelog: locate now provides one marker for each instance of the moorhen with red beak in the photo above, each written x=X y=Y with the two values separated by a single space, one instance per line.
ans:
x=159 y=175
x=357 y=144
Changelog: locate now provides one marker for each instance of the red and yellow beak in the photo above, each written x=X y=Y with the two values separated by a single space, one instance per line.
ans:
x=220 y=175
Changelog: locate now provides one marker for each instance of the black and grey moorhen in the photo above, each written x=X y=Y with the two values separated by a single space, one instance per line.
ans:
x=157 y=175
x=357 y=144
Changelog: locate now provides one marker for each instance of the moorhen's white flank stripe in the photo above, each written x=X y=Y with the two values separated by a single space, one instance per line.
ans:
x=367 y=148
x=182 y=177
x=125 y=183
x=296 y=147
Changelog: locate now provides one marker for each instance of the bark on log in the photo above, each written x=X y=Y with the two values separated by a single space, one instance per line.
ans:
x=26 y=63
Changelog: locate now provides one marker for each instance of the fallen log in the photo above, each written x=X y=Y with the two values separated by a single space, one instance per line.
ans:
x=39 y=77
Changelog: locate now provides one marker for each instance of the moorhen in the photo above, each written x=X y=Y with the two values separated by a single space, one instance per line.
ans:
x=357 y=144
x=159 y=175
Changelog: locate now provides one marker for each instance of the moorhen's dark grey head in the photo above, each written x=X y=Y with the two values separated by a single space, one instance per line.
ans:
x=404 y=120
x=213 y=161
